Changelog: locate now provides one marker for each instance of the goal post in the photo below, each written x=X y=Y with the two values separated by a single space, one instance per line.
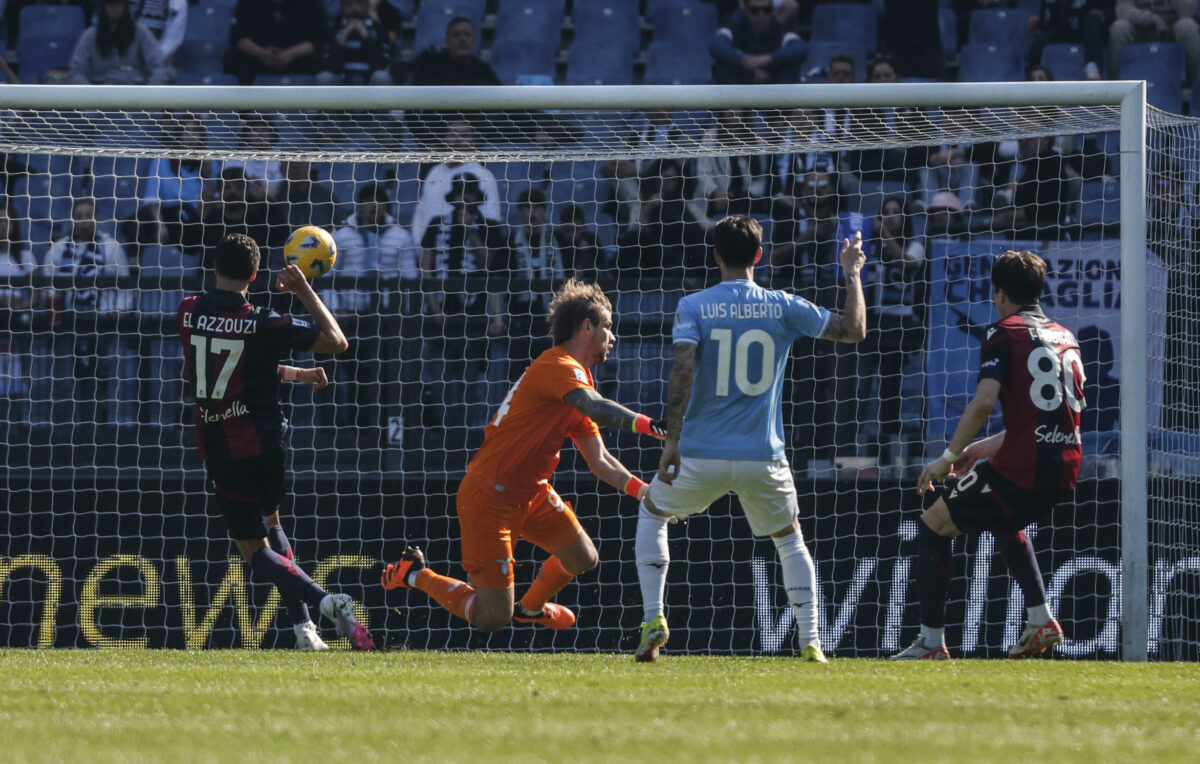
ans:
x=561 y=142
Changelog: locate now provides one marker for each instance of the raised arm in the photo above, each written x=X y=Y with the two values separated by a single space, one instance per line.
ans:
x=331 y=339
x=851 y=324
x=611 y=414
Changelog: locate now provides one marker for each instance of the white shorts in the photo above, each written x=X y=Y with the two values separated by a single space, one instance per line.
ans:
x=766 y=490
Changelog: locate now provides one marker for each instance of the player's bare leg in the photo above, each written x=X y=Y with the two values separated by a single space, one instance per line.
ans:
x=457 y=597
x=933 y=574
x=799 y=581
x=556 y=572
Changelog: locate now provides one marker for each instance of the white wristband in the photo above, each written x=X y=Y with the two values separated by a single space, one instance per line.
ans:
x=950 y=456
x=290 y=374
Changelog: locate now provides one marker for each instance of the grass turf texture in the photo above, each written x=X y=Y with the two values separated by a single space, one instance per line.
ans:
x=429 y=706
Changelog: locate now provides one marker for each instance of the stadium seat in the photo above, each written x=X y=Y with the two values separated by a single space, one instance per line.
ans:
x=434 y=15
x=593 y=63
x=41 y=20
x=990 y=63
x=200 y=57
x=1161 y=65
x=517 y=59
x=38 y=54
x=840 y=22
x=209 y=23
x=536 y=21
x=1064 y=60
x=667 y=64
x=948 y=32
x=816 y=65
x=682 y=22
x=999 y=26
x=614 y=18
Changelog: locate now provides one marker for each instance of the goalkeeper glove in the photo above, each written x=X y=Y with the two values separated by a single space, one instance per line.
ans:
x=644 y=425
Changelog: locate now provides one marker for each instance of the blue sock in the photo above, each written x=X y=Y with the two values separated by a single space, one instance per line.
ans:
x=267 y=566
x=933 y=575
x=1017 y=552
x=279 y=544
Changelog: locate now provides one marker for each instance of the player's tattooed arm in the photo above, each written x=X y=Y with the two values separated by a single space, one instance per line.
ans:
x=600 y=410
x=679 y=388
x=851 y=324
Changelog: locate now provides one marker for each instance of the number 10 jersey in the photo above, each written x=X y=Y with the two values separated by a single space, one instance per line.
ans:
x=743 y=335
x=1040 y=371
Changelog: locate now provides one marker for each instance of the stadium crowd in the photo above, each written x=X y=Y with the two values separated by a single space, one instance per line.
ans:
x=643 y=232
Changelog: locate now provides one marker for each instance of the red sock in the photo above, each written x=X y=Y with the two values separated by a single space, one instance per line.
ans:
x=458 y=597
x=550 y=581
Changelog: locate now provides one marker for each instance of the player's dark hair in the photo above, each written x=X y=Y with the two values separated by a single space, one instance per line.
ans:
x=460 y=20
x=737 y=239
x=842 y=58
x=1021 y=275
x=373 y=192
x=574 y=302
x=572 y=213
x=236 y=257
x=532 y=197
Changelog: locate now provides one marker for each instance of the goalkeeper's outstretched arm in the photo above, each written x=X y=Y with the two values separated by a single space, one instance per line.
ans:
x=611 y=414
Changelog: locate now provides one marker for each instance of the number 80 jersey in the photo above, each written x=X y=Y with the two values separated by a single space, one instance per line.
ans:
x=1041 y=379
x=743 y=335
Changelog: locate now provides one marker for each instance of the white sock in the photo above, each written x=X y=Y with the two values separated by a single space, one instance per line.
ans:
x=1038 y=615
x=653 y=557
x=799 y=580
x=933 y=636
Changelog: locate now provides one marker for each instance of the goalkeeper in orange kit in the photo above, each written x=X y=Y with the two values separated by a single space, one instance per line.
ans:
x=506 y=493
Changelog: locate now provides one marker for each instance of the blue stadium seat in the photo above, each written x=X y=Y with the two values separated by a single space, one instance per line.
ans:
x=513 y=59
x=821 y=51
x=948 y=32
x=535 y=21
x=667 y=64
x=1161 y=65
x=606 y=19
x=990 y=63
x=999 y=26
x=842 y=22
x=39 y=54
x=1065 y=60
x=683 y=22
x=434 y=15
x=593 y=63
x=203 y=78
x=42 y=20
x=209 y=23
x=200 y=57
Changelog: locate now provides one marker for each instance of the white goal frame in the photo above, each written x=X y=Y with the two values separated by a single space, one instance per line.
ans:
x=1129 y=96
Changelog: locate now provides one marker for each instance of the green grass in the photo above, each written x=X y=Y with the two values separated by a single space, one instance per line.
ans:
x=400 y=706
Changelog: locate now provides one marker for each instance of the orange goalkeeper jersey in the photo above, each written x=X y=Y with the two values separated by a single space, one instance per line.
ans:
x=521 y=444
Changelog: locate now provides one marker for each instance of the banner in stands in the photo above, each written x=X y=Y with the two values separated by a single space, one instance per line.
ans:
x=1083 y=293
x=116 y=567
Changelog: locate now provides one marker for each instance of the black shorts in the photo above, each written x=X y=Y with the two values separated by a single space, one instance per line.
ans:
x=982 y=500
x=245 y=491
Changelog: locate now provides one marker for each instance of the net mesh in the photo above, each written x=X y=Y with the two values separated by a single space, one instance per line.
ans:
x=453 y=229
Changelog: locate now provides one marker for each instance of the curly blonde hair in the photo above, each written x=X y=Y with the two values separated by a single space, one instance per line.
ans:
x=575 y=301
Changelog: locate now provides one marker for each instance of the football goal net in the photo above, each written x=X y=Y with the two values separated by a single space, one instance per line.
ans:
x=456 y=214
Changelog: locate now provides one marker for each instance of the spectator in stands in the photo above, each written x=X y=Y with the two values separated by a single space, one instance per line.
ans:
x=358 y=50
x=117 y=51
x=754 y=48
x=1033 y=191
x=86 y=254
x=895 y=300
x=372 y=247
x=665 y=241
x=1080 y=21
x=275 y=37
x=727 y=183
x=532 y=255
x=657 y=132
x=577 y=243
x=166 y=20
x=910 y=34
x=16 y=318
x=461 y=316
x=1155 y=20
x=264 y=177
x=388 y=16
x=302 y=199
x=176 y=186
x=228 y=209
x=900 y=163
x=456 y=64
x=438 y=182
x=944 y=215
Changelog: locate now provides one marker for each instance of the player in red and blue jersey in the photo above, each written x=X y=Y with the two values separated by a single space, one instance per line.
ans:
x=1032 y=365
x=232 y=353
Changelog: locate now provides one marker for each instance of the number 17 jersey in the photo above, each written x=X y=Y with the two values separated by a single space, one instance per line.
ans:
x=743 y=334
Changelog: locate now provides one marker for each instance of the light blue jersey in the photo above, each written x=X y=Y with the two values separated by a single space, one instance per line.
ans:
x=743 y=334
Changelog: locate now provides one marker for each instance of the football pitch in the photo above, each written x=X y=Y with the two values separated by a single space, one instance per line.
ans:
x=434 y=706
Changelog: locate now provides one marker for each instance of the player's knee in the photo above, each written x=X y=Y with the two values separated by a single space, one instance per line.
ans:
x=491 y=621
x=937 y=519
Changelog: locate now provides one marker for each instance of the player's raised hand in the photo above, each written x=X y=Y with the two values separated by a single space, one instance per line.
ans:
x=668 y=463
x=937 y=470
x=291 y=279
x=852 y=256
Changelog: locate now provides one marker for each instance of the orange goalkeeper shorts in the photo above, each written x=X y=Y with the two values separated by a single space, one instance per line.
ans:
x=490 y=528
